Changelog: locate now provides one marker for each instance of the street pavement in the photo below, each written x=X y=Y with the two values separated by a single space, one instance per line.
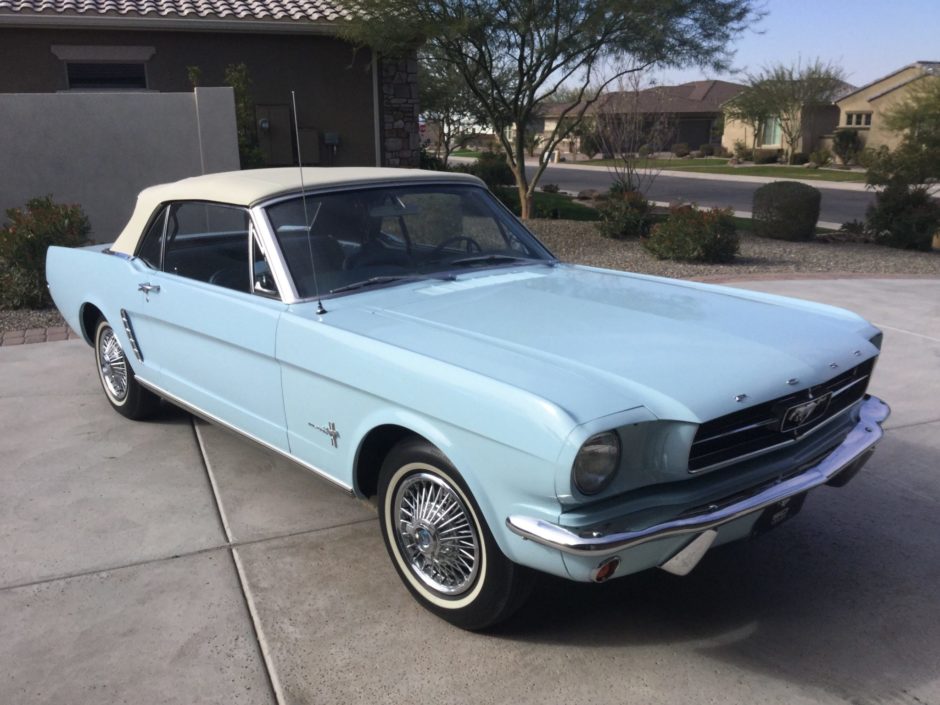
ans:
x=839 y=205
x=172 y=562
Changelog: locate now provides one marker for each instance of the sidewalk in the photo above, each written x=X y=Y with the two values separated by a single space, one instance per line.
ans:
x=835 y=185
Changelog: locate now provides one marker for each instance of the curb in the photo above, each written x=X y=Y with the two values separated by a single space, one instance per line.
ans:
x=37 y=335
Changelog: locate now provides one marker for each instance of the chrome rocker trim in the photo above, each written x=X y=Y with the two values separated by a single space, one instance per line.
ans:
x=856 y=448
x=203 y=414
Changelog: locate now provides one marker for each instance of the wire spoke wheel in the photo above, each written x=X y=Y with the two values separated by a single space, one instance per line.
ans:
x=435 y=534
x=112 y=364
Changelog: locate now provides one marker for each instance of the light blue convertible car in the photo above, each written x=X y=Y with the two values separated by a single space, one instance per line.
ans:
x=402 y=335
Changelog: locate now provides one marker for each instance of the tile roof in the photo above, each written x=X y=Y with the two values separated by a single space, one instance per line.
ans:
x=692 y=97
x=319 y=11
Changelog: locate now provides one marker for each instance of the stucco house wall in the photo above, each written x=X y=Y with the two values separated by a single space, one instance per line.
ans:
x=334 y=84
x=878 y=97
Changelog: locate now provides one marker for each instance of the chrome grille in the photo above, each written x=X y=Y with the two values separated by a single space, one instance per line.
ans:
x=757 y=429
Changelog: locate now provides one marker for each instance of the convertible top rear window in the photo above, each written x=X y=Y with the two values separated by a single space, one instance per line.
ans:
x=338 y=240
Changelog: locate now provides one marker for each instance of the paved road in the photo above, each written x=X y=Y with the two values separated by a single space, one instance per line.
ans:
x=171 y=562
x=837 y=206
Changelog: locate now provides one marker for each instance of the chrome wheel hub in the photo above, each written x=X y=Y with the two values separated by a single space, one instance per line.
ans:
x=113 y=365
x=435 y=534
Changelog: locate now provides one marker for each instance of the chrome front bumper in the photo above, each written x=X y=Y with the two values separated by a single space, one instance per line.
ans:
x=849 y=456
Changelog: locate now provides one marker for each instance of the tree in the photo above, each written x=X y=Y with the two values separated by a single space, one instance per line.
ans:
x=787 y=92
x=904 y=213
x=632 y=124
x=446 y=103
x=917 y=158
x=750 y=108
x=515 y=57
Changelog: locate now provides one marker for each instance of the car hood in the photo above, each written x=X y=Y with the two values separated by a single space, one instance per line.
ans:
x=596 y=342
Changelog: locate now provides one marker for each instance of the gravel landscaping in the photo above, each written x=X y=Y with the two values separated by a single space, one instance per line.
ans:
x=574 y=241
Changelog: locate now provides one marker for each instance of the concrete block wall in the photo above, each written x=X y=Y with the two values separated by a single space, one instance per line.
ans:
x=100 y=149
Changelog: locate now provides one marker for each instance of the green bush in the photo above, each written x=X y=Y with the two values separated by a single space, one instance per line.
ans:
x=492 y=168
x=625 y=215
x=766 y=156
x=23 y=244
x=799 y=158
x=786 y=210
x=742 y=152
x=680 y=149
x=551 y=188
x=696 y=154
x=904 y=217
x=429 y=161
x=694 y=235
x=707 y=149
x=645 y=150
x=846 y=144
x=821 y=156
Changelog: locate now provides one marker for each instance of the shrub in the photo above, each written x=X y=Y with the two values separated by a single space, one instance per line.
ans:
x=625 y=215
x=429 y=161
x=492 y=168
x=904 y=217
x=742 y=152
x=550 y=188
x=846 y=144
x=645 y=150
x=820 y=157
x=695 y=235
x=23 y=244
x=696 y=154
x=707 y=149
x=680 y=149
x=786 y=210
x=621 y=186
x=799 y=158
x=766 y=156
x=590 y=144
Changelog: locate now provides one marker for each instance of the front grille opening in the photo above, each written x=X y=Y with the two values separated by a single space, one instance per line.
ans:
x=754 y=430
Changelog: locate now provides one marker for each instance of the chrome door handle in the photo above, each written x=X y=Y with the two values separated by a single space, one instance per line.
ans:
x=148 y=288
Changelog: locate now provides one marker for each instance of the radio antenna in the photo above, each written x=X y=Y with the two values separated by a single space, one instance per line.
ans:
x=308 y=224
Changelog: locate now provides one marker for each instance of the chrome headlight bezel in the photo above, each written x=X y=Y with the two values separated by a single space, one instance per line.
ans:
x=596 y=464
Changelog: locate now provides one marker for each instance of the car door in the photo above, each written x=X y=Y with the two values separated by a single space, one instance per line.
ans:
x=206 y=324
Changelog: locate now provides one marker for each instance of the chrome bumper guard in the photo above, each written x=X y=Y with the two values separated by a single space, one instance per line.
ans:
x=850 y=455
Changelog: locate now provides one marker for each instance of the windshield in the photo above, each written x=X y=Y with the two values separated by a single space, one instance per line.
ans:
x=349 y=240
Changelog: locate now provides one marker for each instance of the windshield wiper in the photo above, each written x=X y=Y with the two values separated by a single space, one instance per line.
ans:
x=390 y=279
x=496 y=259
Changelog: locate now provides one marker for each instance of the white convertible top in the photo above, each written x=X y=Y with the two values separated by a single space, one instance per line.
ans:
x=246 y=188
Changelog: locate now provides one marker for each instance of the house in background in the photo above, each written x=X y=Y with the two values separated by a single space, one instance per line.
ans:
x=691 y=112
x=353 y=109
x=97 y=98
x=818 y=123
x=863 y=109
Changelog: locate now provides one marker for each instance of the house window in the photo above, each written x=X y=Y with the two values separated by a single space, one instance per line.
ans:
x=106 y=76
x=771 y=132
x=858 y=119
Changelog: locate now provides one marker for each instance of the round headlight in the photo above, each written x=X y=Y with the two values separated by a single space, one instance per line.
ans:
x=597 y=462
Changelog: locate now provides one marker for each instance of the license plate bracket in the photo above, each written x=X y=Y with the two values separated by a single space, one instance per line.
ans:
x=773 y=516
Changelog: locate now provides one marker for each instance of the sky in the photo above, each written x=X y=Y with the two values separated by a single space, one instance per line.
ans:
x=867 y=38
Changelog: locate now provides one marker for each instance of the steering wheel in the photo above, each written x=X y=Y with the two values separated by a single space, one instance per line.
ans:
x=471 y=245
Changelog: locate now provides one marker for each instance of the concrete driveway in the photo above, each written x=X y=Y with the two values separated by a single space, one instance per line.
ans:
x=171 y=562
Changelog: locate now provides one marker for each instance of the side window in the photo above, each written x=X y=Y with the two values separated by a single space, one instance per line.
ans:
x=209 y=242
x=151 y=246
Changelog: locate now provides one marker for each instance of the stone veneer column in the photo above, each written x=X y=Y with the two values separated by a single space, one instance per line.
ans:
x=401 y=140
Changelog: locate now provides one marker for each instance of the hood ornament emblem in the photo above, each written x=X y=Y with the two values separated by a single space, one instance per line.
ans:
x=330 y=431
x=792 y=381
x=740 y=397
